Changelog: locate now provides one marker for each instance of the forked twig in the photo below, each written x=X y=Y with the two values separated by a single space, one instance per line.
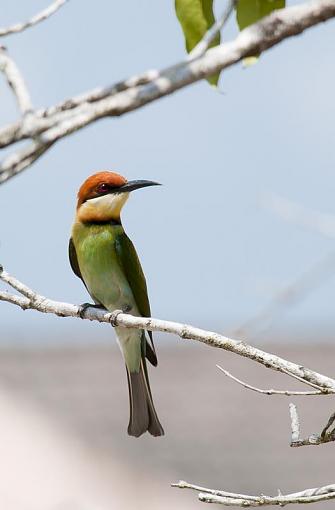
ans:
x=313 y=439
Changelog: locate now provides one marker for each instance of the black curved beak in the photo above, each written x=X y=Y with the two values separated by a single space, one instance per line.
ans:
x=132 y=185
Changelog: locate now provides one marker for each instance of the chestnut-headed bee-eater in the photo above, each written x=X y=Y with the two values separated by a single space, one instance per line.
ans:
x=105 y=259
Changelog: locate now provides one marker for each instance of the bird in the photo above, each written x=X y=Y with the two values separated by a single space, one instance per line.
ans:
x=104 y=258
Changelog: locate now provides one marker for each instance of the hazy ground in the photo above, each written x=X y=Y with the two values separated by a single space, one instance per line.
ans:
x=64 y=412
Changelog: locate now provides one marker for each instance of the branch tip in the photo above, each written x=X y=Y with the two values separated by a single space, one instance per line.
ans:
x=41 y=16
x=225 y=498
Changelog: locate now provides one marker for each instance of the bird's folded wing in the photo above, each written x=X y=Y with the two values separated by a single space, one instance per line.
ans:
x=131 y=265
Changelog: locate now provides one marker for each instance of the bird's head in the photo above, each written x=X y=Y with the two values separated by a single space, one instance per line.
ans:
x=102 y=196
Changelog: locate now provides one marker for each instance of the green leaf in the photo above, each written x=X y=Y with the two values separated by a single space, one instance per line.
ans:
x=196 y=17
x=251 y=11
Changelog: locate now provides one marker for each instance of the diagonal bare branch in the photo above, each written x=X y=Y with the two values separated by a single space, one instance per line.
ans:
x=293 y=212
x=31 y=300
x=289 y=295
x=55 y=123
x=18 y=161
x=330 y=422
x=41 y=16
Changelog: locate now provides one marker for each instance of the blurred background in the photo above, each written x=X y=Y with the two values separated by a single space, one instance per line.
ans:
x=238 y=240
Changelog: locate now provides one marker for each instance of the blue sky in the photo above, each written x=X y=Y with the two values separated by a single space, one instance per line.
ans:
x=212 y=253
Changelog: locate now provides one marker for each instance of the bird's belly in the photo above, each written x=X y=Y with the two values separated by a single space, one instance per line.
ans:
x=112 y=290
x=105 y=279
x=107 y=284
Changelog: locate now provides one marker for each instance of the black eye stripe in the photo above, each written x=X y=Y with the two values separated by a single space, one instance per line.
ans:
x=102 y=189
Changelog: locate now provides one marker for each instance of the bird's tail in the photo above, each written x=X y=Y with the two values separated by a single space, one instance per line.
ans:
x=143 y=416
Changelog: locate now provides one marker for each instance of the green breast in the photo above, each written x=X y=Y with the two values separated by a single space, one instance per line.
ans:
x=99 y=265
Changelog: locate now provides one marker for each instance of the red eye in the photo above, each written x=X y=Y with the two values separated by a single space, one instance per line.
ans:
x=103 y=188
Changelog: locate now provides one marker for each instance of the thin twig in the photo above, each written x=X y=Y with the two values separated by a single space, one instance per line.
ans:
x=289 y=295
x=271 y=391
x=309 y=383
x=293 y=212
x=217 y=492
x=14 y=163
x=295 y=423
x=15 y=81
x=313 y=439
x=41 y=16
x=329 y=423
x=255 y=39
x=225 y=498
x=184 y=331
x=306 y=282
x=97 y=94
x=211 y=34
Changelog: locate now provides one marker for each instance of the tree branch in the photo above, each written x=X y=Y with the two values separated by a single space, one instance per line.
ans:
x=271 y=391
x=32 y=300
x=54 y=123
x=314 y=495
x=15 y=81
x=210 y=35
x=18 y=161
x=293 y=212
x=307 y=281
x=330 y=422
x=289 y=295
x=41 y=16
x=225 y=498
x=314 y=439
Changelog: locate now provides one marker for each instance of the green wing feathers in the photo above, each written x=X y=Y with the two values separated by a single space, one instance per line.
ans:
x=73 y=259
x=132 y=268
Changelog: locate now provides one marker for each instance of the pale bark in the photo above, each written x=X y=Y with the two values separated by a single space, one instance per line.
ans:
x=29 y=299
x=54 y=123
x=37 y=18
x=225 y=498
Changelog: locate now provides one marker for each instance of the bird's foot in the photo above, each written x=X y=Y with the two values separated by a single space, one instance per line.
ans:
x=82 y=308
x=114 y=316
